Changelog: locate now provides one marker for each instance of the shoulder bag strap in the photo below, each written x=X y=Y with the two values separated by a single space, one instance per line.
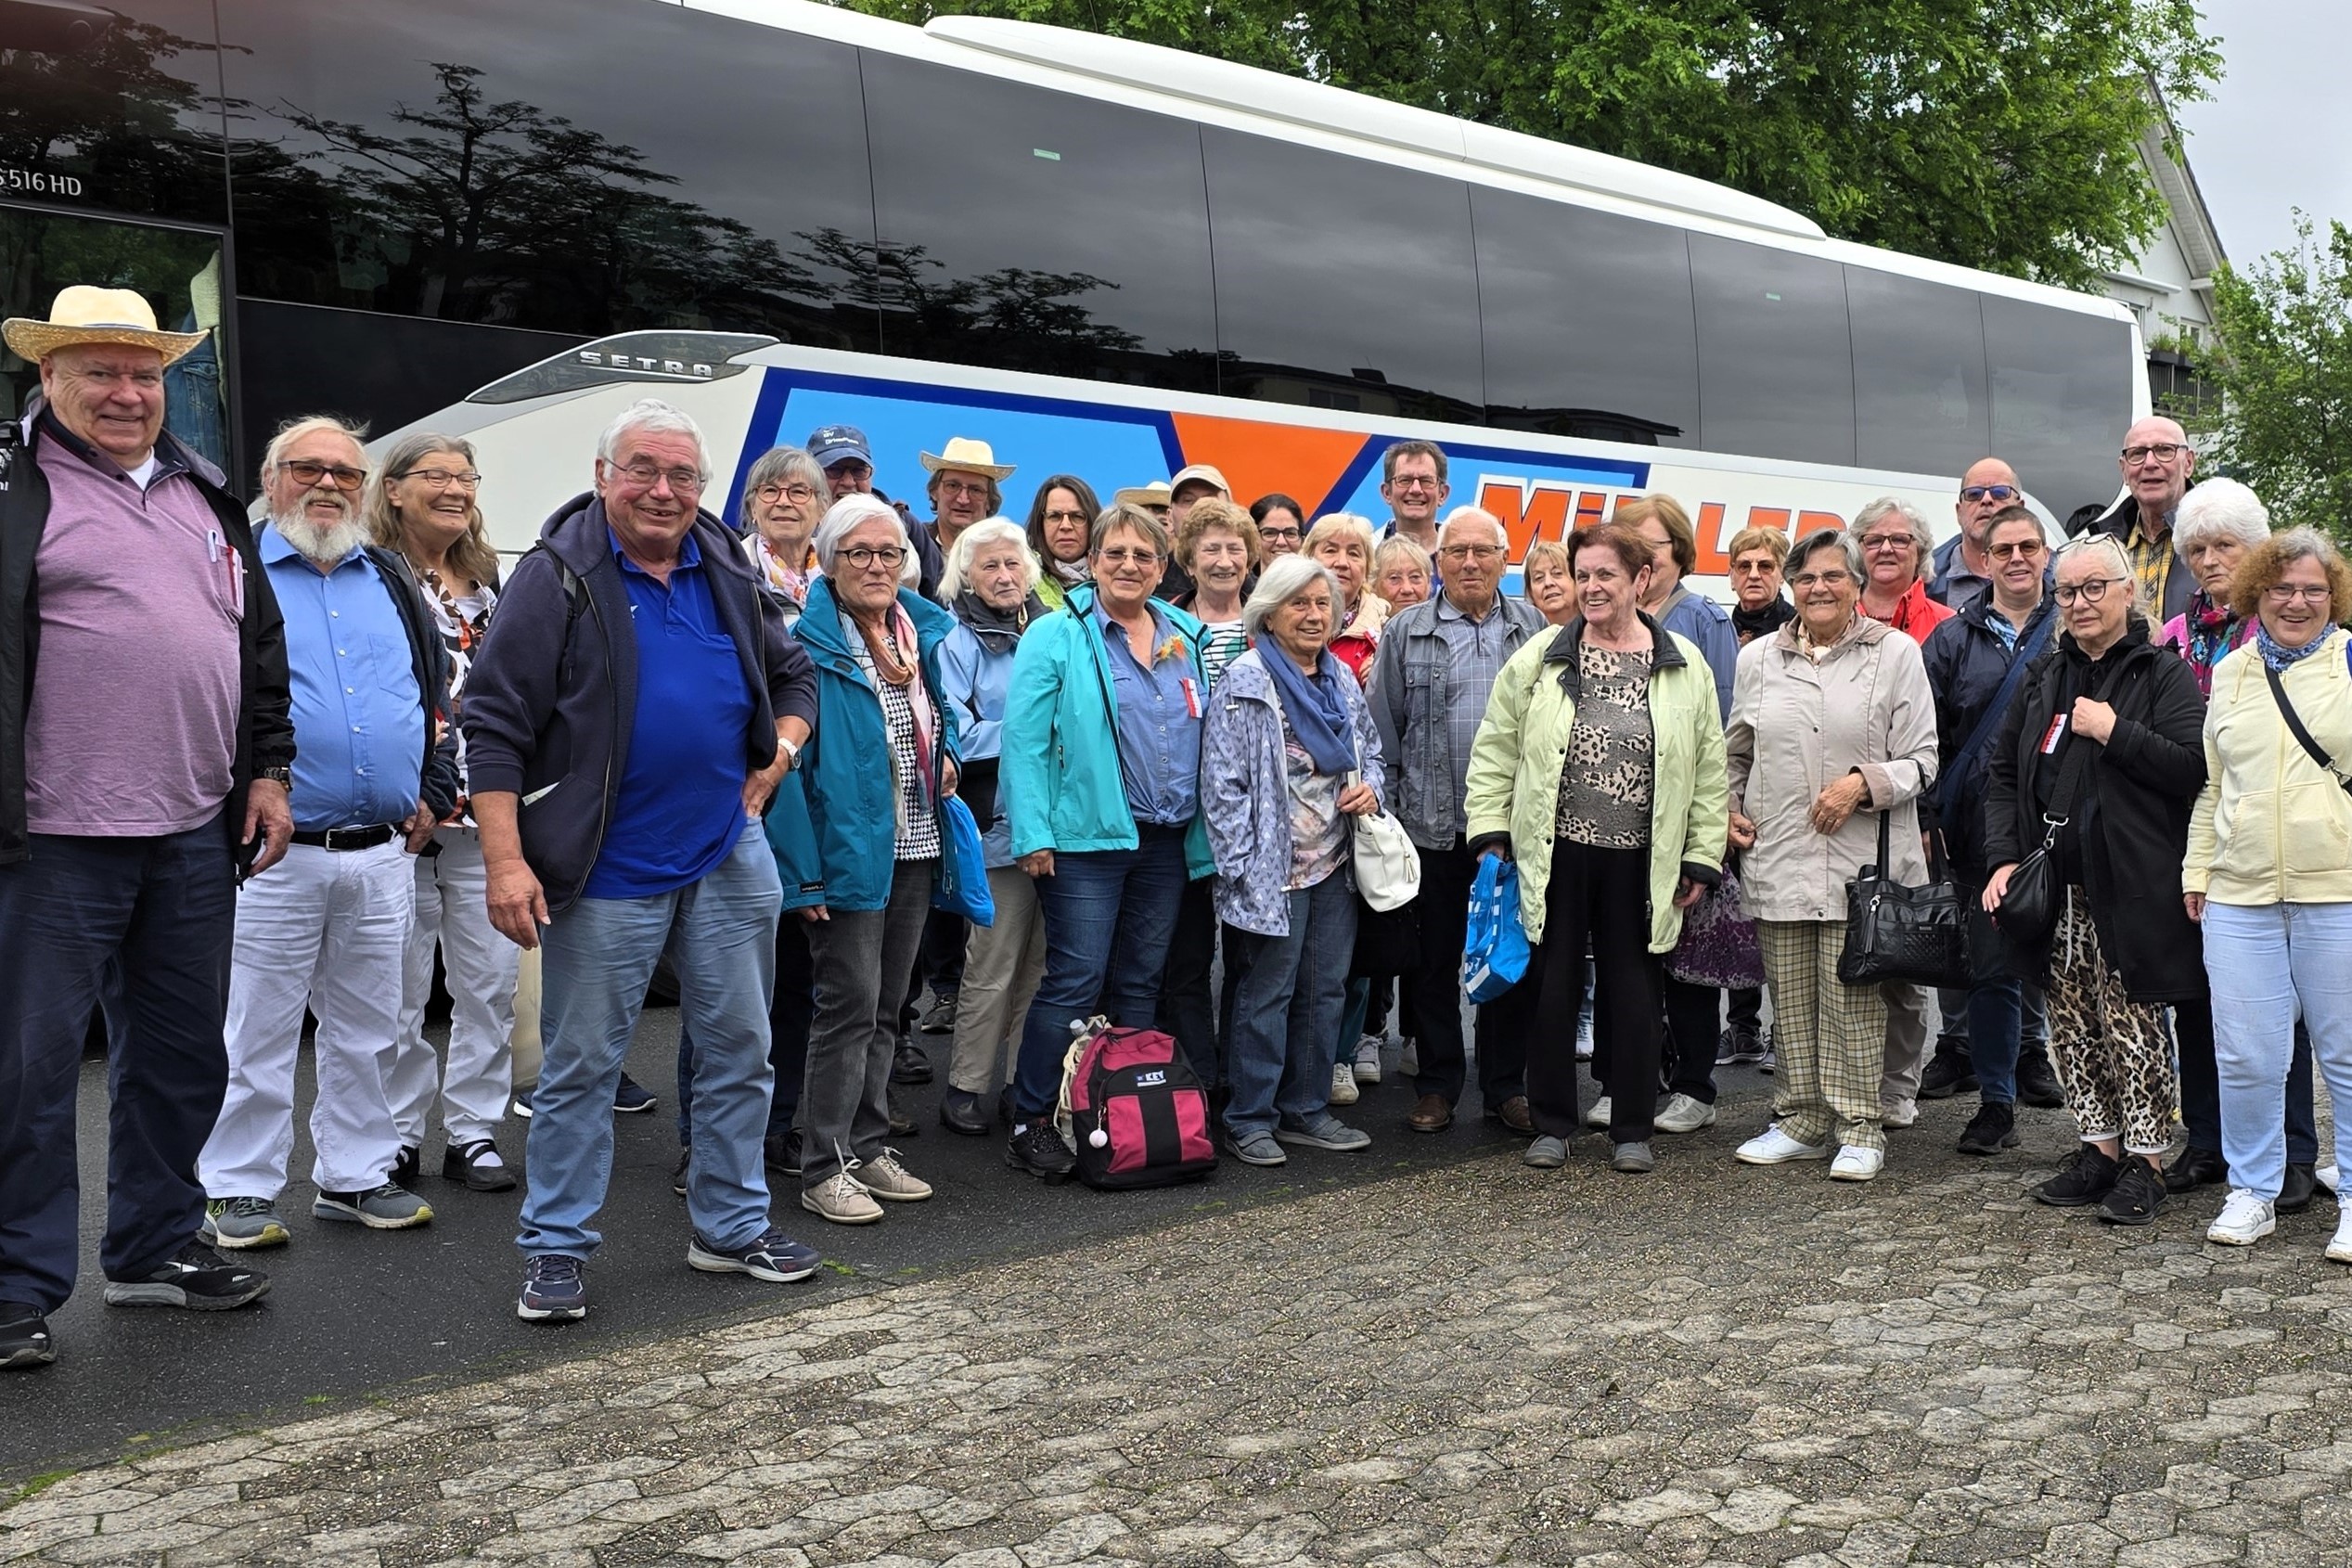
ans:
x=2302 y=734
x=1987 y=726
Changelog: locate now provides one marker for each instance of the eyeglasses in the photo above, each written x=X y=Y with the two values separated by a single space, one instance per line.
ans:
x=1471 y=552
x=1416 y=481
x=1889 y=541
x=1065 y=516
x=2287 y=593
x=864 y=556
x=2089 y=592
x=962 y=488
x=308 y=474
x=2162 y=451
x=1990 y=492
x=2014 y=549
x=1290 y=535
x=442 y=479
x=1829 y=579
x=1119 y=555
x=645 y=476
x=798 y=494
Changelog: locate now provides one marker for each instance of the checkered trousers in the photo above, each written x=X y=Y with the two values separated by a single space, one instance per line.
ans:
x=1830 y=1038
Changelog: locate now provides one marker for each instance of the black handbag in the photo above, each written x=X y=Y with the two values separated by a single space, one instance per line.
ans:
x=2028 y=910
x=1898 y=933
x=1388 y=941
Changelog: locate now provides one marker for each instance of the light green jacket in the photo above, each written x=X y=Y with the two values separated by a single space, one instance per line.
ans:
x=1523 y=744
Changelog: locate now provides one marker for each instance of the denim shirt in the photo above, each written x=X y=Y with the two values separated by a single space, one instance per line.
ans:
x=1429 y=682
x=1159 y=721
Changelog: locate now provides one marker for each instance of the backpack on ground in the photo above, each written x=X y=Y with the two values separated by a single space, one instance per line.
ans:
x=1135 y=1115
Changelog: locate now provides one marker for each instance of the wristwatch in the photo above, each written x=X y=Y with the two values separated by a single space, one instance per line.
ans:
x=281 y=777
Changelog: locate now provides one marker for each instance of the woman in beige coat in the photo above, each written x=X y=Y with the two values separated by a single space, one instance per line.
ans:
x=1832 y=724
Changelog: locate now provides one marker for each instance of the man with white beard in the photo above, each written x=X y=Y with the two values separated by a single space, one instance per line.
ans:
x=374 y=768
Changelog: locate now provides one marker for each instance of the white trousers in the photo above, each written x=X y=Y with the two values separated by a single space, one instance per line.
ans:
x=323 y=930
x=453 y=913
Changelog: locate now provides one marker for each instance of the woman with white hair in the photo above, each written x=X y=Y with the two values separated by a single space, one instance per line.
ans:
x=990 y=580
x=1897 y=546
x=1289 y=756
x=2217 y=523
x=866 y=828
x=1345 y=543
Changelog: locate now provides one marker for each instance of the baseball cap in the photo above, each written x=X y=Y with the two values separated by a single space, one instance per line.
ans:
x=1205 y=475
x=835 y=443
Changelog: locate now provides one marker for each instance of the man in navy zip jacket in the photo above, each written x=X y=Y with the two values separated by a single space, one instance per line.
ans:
x=629 y=716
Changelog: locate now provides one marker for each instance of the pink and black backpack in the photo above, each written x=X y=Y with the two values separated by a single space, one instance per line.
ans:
x=1137 y=1117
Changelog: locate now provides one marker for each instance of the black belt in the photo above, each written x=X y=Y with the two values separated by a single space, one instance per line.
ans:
x=351 y=838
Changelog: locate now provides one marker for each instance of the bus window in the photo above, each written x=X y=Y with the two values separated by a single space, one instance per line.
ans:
x=1775 y=368
x=180 y=270
x=1587 y=322
x=1344 y=278
x=2061 y=400
x=1920 y=402
x=1032 y=230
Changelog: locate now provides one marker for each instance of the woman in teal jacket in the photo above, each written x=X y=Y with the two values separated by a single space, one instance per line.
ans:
x=1100 y=780
x=864 y=845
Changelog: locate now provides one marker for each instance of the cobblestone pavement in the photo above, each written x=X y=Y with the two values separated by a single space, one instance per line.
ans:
x=1481 y=1364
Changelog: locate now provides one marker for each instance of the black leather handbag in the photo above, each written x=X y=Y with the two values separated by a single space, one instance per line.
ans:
x=1898 y=933
x=2028 y=909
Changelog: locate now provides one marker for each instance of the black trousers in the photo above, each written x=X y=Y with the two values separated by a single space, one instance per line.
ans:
x=1187 y=1011
x=1601 y=896
x=1432 y=995
x=1695 y=1023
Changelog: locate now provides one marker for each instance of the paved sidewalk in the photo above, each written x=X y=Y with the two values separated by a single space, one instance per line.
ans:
x=1459 y=1367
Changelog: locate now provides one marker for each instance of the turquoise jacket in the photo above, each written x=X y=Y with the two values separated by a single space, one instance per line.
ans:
x=1058 y=782
x=833 y=825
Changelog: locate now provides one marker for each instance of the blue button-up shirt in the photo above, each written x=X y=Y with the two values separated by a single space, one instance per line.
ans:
x=359 y=721
x=679 y=808
x=1159 y=726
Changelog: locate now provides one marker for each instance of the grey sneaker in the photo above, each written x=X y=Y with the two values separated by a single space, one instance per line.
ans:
x=239 y=1222
x=887 y=1178
x=1633 y=1159
x=843 y=1199
x=1546 y=1153
x=1323 y=1130
x=1257 y=1148
x=1684 y=1115
x=389 y=1207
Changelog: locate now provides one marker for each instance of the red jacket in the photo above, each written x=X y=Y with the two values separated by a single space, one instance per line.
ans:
x=1915 y=615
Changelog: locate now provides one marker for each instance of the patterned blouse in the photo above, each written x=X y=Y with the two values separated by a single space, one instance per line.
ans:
x=917 y=833
x=1318 y=833
x=1605 y=783
x=463 y=622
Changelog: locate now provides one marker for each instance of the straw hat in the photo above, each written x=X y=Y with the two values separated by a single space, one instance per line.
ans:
x=1154 y=494
x=968 y=457
x=87 y=314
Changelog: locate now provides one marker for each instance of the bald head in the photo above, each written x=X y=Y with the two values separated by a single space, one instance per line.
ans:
x=1987 y=487
x=2156 y=464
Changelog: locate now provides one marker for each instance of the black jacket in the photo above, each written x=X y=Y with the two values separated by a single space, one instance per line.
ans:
x=2132 y=808
x=1966 y=662
x=264 y=720
x=2179 y=583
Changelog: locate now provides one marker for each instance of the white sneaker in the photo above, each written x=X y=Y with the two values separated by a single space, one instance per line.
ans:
x=1342 y=1084
x=2244 y=1219
x=1367 y=1059
x=1409 y=1065
x=1773 y=1146
x=1598 y=1115
x=1857 y=1164
x=1897 y=1114
x=1583 y=1039
x=1683 y=1115
x=2325 y=1176
x=2340 y=1250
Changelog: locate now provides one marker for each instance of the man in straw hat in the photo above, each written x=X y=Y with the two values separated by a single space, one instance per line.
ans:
x=965 y=488
x=143 y=757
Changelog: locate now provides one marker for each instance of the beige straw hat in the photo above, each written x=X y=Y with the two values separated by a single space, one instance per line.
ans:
x=87 y=314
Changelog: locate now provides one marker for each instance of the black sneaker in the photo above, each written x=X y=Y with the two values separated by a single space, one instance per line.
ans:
x=410 y=1164
x=2194 y=1168
x=1738 y=1044
x=1992 y=1129
x=1037 y=1147
x=632 y=1099
x=782 y=1152
x=24 y=1337
x=774 y=1257
x=1948 y=1074
x=939 y=1018
x=2036 y=1085
x=554 y=1290
x=678 y=1177
x=2083 y=1180
x=197 y=1277
x=519 y=1103
x=2296 y=1188
x=2137 y=1193
x=909 y=1064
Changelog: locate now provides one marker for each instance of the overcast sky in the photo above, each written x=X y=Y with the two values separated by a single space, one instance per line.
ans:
x=2277 y=133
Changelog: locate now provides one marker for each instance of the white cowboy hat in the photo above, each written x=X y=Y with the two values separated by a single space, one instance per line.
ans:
x=87 y=314
x=966 y=455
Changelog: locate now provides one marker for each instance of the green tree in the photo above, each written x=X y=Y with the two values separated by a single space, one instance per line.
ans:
x=1997 y=134
x=2284 y=365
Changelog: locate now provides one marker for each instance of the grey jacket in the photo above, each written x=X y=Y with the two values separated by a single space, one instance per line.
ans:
x=1245 y=793
x=1413 y=691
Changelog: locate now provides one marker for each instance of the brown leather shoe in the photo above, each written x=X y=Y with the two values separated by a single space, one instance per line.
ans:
x=1431 y=1114
x=1514 y=1113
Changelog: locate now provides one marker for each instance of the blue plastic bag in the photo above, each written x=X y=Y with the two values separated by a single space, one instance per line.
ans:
x=1495 y=952
x=963 y=869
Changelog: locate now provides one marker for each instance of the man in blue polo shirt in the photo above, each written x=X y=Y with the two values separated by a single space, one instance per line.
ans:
x=633 y=709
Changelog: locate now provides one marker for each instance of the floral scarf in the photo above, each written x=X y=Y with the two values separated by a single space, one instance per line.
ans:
x=2277 y=656
x=2211 y=631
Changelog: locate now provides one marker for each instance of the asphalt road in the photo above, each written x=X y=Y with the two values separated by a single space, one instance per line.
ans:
x=351 y=1312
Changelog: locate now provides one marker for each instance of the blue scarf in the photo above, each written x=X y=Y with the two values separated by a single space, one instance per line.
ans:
x=1315 y=708
x=2276 y=657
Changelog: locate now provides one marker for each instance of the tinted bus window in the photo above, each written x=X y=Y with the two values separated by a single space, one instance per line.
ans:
x=1920 y=402
x=1032 y=230
x=1776 y=367
x=1587 y=322
x=603 y=166
x=114 y=110
x=1343 y=284
x=2061 y=400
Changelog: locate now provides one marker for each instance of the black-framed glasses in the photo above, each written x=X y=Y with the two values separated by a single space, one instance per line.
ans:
x=2287 y=593
x=309 y=473
x=2162 y=451
x=864 y=556
x=2014 y=549
x=1990 y=492
x=2089 y=592
x=1416 y=481
x=798 y=494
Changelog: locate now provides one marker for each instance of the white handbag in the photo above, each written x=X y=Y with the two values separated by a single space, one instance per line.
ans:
x=1388 y=868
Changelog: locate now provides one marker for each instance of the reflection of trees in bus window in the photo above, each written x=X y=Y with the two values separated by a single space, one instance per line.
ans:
x=1920 y=399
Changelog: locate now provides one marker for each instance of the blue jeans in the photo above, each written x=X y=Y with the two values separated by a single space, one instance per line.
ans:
x=2266 y=963
x=1287 y=1007
x=1110 y=915
x=599 y=955
x=788 y=1023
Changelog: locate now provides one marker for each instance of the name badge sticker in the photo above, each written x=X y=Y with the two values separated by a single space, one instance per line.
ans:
x=2056 y=732
x=1191 y=696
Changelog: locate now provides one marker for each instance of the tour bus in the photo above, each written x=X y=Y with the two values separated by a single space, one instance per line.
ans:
x=507 y=219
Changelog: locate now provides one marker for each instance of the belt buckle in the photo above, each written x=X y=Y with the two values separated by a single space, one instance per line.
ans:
x=347 y=838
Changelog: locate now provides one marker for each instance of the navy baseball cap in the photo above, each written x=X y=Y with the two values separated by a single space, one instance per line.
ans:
x=835 y=443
